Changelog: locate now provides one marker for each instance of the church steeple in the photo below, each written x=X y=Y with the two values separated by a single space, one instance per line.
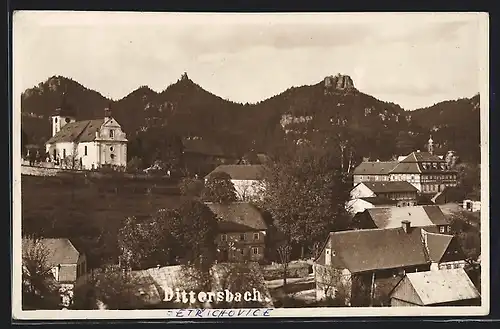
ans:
x=430 y=145
x=107 y=112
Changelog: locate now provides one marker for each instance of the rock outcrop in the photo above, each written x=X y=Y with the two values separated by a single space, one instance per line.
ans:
x=338 y=82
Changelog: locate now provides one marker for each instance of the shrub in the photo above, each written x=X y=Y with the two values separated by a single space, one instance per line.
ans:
x=276 y=272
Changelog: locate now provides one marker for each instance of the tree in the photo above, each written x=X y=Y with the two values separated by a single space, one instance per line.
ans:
x=191 y=187
x=219 y=188
x=305 y=193
x=144 y=244
x=469 y=179
x=241 y=277
x=193 y=227
x=334 y=284
x=40 y=289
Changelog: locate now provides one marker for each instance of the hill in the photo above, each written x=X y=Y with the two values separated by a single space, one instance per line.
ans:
x=332 y=109
x=456 y=124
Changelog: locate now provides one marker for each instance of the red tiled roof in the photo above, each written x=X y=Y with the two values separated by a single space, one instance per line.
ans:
x=374 y=167
x=241 y=172
x=406 y=168
x=379 y=201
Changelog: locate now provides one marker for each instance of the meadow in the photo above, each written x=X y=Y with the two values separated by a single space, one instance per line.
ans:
x=90 y=211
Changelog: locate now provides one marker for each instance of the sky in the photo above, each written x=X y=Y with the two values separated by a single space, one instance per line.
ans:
x=414 y=60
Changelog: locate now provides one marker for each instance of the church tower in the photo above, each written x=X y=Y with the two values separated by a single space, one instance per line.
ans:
x=62 y=115
x=430 y=145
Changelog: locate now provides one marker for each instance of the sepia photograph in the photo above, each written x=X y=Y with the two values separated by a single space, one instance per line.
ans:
x=227 y=165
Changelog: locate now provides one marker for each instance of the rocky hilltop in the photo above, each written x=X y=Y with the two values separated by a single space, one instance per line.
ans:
x=337 y=83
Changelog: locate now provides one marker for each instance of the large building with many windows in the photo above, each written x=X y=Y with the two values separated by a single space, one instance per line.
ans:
x=429 y=173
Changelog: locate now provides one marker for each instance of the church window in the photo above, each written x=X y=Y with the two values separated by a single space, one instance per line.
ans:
x=111 y=133
x=67 y=120
x=111 y=148
x=85 y=150
x=64 y=153
x=55 y=120
x=112 y=156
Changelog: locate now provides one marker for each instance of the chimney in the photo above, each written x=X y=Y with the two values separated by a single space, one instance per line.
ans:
x=406 y=225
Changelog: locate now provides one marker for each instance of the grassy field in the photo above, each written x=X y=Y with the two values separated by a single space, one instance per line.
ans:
x=90 y=211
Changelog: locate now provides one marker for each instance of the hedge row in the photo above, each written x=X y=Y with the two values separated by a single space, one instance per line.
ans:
x=292 y=272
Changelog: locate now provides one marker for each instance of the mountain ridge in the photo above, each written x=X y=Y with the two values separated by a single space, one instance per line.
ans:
x=187 y=109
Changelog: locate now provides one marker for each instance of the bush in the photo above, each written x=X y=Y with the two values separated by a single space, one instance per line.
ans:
x=295 y=271
x=191 y=187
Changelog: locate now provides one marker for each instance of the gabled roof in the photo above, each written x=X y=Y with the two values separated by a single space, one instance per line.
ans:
x=380 y=249
x=443 y=286
x=59 y=251
x=422 y=157
x=238 y=217
x=375 y=167
x=387 y=187
x=419 y=216
x=406 y=168
x=437 y=244
x=81 y=131
x=241 y=172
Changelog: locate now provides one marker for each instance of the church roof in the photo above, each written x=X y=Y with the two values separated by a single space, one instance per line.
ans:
x=81 y=131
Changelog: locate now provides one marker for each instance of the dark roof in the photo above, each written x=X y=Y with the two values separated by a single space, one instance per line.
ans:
x=241 y=172
x=419 y=216
x=379 y=249
x=59 y=251
x=385 y=187
x=422 y=157
x=374 y=167
x=81 y=131
x=378 y=201
x=437 y=244
x=238 y=217
x=201 y=146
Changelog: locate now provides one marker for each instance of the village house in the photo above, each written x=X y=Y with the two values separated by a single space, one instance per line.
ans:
x=67 y=264
x=242 y=232
x=391 y=217
x=247 y=180
x=436 y=288
x=87 y=144
x=375 y=194
x=373 y=171
x=362 y=266
x=429 y=173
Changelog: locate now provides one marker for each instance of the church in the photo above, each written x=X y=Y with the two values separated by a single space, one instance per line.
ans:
x=86 y=144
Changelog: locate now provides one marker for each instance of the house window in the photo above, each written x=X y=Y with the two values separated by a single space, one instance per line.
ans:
x=111 y=133
x=255 y=250
x=242 y=251
x=441 y=229
x=223 y=237
x=256 y=236
x=85 y=150
x=448 y=229
x=242 y=237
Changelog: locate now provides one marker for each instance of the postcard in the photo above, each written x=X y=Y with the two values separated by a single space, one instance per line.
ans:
x=229 y=165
